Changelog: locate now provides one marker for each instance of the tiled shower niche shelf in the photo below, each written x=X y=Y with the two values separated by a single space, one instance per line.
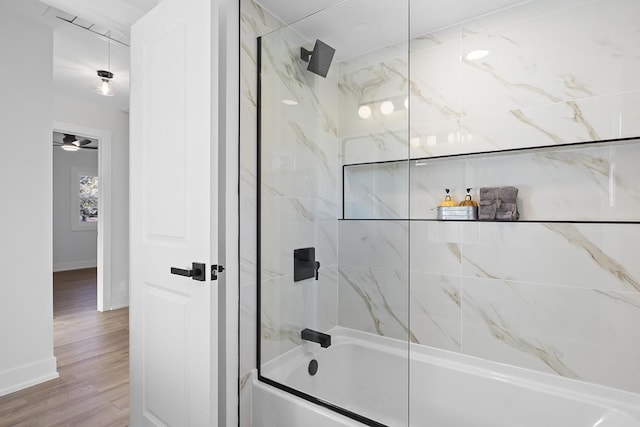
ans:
x=582 y=182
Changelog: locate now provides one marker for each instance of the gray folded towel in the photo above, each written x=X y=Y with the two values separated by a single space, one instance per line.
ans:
x=498 y=203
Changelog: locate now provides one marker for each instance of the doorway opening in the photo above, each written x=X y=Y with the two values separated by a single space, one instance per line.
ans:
x=85 y=218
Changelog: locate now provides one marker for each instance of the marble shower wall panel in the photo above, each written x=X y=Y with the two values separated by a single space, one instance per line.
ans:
x=577 y=333
x=374 y=300
x=598 y=118
x=544 y=61
x=435 y=310
x=561 y=298
x=375 y=146
x=298 y=160
x=543 y=82
x=584 y=183
x=378 y=191
x=292 y=223
x=435 y=260
x=436 y=247
x=436 y=95
x=589 y=256
x=550 y=82
x=370 y=83
x=379 y=244
x=373 y=280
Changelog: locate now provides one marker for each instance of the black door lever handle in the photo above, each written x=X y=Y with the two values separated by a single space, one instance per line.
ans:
x=181 y=272
x=197 y=271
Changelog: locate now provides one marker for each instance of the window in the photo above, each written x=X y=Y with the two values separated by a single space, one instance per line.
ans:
x=88 y=194
x=84 y=199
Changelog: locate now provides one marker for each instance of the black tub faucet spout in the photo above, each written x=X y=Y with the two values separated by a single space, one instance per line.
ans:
x=310 y=335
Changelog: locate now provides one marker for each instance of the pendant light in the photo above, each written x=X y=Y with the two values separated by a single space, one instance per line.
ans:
x=105 y=88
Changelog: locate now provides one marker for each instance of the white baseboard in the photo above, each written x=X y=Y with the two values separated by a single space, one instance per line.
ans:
x=74 y=265
x=119 y=306
x=120 y=300
x=27 y=375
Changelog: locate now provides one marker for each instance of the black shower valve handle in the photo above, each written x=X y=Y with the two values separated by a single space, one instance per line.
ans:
x=317 y=268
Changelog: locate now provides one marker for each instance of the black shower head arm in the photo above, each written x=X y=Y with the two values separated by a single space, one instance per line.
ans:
x=305 y=54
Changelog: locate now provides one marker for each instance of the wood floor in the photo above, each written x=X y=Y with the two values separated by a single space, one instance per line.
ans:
x=92 y=349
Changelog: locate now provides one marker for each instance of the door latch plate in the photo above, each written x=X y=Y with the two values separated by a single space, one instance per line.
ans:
x=215 y=269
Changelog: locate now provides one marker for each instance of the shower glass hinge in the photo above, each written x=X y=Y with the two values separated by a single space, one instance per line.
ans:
x=215 y=269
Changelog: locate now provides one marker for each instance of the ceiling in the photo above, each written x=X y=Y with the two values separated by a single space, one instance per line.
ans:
x=82 y=48
x=351 y=26
x=354 y=27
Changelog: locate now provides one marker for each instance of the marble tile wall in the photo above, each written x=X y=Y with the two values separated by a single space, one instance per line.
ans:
x=542 y=82
x=373 y=280
x=562 y=298
x=559 y=297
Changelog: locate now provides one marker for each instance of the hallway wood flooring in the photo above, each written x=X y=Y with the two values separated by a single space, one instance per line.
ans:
x=92 y=350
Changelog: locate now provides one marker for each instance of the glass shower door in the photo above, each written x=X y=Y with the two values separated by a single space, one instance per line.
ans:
x=333 y=210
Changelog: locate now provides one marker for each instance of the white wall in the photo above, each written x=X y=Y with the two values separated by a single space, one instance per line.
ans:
x=86 y=114
x=72 y=249
x=26 y=304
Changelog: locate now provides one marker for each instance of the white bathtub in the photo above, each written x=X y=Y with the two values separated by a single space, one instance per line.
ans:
x=370 y=375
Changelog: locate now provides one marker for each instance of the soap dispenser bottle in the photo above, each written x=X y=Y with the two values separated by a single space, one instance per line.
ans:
x=447 y=200
x=467 y=199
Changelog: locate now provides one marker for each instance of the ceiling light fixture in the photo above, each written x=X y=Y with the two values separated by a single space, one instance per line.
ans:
x=289 y=102
x=105 y=88
x=68 y=146
x=69 y=143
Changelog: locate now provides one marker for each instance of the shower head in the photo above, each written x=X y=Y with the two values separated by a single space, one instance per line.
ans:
x=319 y=59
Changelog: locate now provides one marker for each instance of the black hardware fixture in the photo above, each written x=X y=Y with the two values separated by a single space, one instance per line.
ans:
x=319 y=58
x=197 y=272
x=305 y=265
x=215 y=269
x=314 y=336
x=313 y=367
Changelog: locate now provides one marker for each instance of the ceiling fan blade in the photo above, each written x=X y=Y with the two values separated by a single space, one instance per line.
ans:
x=82 y=142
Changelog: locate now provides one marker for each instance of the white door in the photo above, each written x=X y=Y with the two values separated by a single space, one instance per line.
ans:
x=174 y=217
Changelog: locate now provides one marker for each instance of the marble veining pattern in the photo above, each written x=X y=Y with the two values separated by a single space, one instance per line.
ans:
x=573 y=235
x=379 y=293
x=576 y=333
x=435 y=310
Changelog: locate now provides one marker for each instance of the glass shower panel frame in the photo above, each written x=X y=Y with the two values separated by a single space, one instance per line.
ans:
x=317 y=335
